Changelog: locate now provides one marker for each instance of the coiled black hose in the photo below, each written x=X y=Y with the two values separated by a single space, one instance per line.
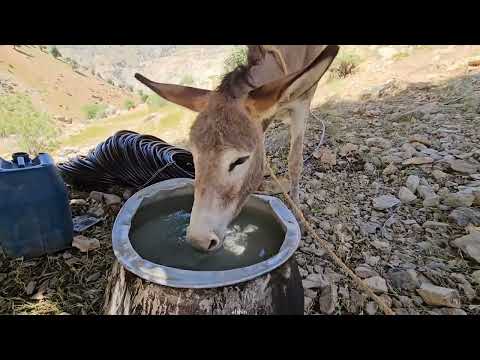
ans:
x=129 y=159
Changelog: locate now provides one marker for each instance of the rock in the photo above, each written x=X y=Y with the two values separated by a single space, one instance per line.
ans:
x=469 y=244
x=459 y=199
x=85 y=244
x=111 y=199
x=330 y=210
x=371 y=308
x=96 y=195
x=420 y=139
x=369 y=168
x=439 y=296
x=463 y=166
x=328 y=299
x=30 y=287
x=326 y=157
x=409 y=150
x=476 y=276
x=439 y=175
x=377 y=284
x=379 y=142
x=347 y=149
x=77 y=202
x=308 y=302
x=96 y=211
x=404 y=279
x=424 y=191
x=127 y=194
x=385 y=202
x=94 y=277
x=434 y=224
x=475 y=176
x=464 y=216
x=406 y=196
x=389 y=170
x=364 y=272
x=418 y=160
x=452 y=311
x=431 y=201
x=412 y=183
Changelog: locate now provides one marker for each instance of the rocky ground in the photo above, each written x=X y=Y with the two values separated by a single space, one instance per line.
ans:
x=395 y=190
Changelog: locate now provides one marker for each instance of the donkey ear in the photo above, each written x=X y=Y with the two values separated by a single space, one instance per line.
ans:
x=263 y=98
x=189 y=97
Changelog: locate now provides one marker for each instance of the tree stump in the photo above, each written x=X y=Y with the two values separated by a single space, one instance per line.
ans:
x=279 y=292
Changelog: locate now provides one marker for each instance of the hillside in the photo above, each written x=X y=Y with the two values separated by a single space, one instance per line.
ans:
x=53 y=85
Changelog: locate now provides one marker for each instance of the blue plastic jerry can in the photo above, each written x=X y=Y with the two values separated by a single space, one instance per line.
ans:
x=35 y=214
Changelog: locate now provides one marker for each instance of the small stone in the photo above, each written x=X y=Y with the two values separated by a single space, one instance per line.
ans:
x=459 y=199
x=385 y=202
x=377 y=284
x=439 y=296
x=463 y=166
x=308 y=302
x=371 y=308
x=85 y=244
x=364 y=272
x=439 y=175
x=331 y=210
x=434 y=224
x=389 y=170
x=369 y=168
x=368 y=228
x=406 y=196
x=424 y=191
x=475 y=176
x=420 y=139
x=431 y=201
x=94 y=277
x=96 y=211
x=96 y=195
x=111 y=199
x=469 y=244
x=30 y=287
x=404 y=279
x=379 y=142
x=127 y=194
x=452 y=311
x=419 y=160
x=476 y=276
x=327 y=157
x=347 y=149
x=78 y=202
x=464 y=216
x=412 y=183
x=328 y=299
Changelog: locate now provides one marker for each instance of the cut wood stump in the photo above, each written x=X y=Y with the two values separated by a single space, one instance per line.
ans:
x=279 y=292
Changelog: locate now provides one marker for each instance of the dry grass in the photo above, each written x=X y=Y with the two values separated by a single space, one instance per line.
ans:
x=67 y=282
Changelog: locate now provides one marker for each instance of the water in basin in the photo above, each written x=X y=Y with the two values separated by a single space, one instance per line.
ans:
x=158 y=234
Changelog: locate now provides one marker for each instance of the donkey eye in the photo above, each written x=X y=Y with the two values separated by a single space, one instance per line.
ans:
x=237 y=162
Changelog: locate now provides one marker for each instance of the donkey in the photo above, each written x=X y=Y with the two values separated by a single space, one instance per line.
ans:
x=227 y=137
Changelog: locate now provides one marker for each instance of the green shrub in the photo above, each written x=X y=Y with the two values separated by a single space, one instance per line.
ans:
x=110 y=81
x=154 y=101
x=237 y=57
x=35 y=130
x=55 y=52
x=144 y=98
x=129 y=104
x=94 y=111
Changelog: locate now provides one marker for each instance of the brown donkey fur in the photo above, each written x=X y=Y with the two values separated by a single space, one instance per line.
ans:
x=228 y=135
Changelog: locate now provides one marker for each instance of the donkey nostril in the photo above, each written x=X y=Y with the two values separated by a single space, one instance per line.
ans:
x=213 y=244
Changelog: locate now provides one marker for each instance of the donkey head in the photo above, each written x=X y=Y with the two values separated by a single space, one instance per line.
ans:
x=227 y=144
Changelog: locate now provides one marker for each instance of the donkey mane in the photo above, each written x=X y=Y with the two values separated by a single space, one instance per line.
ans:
x=232 y=81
